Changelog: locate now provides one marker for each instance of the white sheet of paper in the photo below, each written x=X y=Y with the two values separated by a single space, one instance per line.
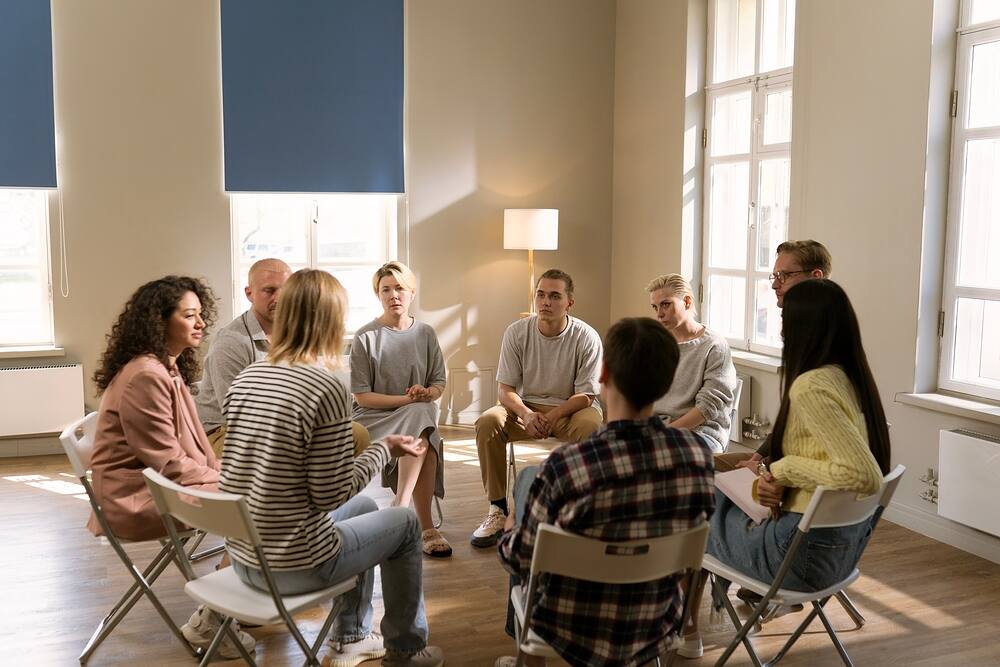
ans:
x=738 y=486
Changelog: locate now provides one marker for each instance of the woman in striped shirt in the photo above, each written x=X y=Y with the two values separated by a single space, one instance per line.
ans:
x=289 y=450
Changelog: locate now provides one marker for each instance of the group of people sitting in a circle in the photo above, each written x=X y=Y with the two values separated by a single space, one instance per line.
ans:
x=644 y=416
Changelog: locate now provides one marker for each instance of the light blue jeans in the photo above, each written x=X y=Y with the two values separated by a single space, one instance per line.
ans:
x=389 y=538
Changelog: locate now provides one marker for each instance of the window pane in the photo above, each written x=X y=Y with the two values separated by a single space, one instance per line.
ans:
x=767 y=315
x=731 y=115
x=734 y=39
x=980 y=218
x=726 y=308
x=363 y=305
x=772 y=209
x=984 y=91
x=23 y=216
x=778 y=117
x=272 y=226
x=730 y=184
x=984 y=10
x=25 y=317
x=777 y=39
x=977 y=342
x=353 y=227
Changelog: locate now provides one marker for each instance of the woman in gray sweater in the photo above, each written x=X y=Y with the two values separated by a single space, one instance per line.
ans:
x=701 y=397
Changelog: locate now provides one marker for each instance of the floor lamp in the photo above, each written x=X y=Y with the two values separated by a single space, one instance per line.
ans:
x=531 y=229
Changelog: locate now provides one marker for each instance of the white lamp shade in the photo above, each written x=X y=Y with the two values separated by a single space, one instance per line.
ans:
x=531 y=229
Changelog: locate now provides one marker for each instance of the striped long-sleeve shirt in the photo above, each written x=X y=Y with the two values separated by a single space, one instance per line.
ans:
x=290 y=452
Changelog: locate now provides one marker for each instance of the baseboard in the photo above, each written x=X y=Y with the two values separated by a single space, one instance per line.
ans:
x=36 y=446
x=946 y=531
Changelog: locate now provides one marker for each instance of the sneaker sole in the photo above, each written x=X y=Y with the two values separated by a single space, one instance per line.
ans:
x=488 y=541
x=354 y=660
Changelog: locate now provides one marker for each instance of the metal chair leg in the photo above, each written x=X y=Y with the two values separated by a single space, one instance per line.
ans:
x=743 y=629
x=851 y=609
x=834 y=638
x=436 y=506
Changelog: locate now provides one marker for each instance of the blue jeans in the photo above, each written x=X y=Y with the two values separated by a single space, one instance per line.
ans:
x=522 y=485
x=825 y=556
x=389 y=538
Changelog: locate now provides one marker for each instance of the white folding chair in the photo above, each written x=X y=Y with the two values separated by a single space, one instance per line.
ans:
x=222 y=591
x=78 y=443
x=570 y=555
x=827 y=509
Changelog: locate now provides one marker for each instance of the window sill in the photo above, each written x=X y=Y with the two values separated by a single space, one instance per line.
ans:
x=761 y=362
x=32 y=351
x=952 y=405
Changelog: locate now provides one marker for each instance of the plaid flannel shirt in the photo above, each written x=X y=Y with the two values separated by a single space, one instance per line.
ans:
x=630 y=480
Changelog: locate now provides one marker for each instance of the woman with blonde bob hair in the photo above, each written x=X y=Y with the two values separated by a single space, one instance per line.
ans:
x=397 y=376
x=702 y=394
x=289 y=451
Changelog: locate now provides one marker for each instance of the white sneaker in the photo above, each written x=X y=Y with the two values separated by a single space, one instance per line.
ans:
x=490 y=529
x=371 y=647
x=429 y=656
x=690 y=647
x=204 y=624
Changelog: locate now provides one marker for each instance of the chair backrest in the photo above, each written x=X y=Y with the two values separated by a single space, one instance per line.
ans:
x=221 y=514
x=829 y=508
x=568 y=554
x=78 y=442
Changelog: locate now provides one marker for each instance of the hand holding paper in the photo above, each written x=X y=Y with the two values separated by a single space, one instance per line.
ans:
x=738 y=486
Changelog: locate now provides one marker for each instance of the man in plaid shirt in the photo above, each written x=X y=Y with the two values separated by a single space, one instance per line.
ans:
x=634 y=478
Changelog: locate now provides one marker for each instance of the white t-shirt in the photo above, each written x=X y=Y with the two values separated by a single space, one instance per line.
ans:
x=548 y=370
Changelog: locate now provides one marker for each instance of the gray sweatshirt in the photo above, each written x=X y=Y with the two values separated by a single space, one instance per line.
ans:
x=705 y=379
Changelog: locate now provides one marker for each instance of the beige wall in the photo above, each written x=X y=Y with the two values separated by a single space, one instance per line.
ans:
x=139 y=148
x=509 y=105
x=650 y=75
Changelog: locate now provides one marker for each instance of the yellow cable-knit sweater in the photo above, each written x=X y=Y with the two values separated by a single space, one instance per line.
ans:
x=825 y=441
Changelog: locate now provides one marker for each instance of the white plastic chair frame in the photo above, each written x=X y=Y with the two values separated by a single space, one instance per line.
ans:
x=79 y=449
x=570 y=555
x=228 y=515
x=827 y=509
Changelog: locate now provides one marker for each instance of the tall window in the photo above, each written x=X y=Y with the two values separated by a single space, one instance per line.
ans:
x=970 y=317
x=349 y=235
x=747 y=166
x=25 y=285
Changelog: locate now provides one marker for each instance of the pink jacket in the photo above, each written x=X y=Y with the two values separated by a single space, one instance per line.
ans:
x=147 y=418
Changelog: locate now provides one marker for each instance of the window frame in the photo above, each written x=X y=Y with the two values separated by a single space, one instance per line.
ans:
x=969 y=36
x=394 y=225
x=44 y=267
x=760 y=84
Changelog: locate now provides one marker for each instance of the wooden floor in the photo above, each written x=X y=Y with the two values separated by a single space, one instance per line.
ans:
x=926 y=603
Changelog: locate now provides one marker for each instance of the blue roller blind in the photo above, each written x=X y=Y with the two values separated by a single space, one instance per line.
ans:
x=27 y=128
x=313 y=95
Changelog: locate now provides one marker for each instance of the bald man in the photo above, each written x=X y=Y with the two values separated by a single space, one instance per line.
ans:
x=242 y=342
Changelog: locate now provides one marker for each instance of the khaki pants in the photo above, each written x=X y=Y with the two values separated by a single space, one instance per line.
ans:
x=496 y=427
x=361 y=439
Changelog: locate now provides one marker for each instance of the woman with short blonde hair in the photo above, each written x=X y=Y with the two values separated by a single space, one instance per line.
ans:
x=289 y=450
x=702 y=395
x=397 y=376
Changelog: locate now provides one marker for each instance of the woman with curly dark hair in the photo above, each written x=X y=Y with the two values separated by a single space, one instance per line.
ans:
x=147 y=417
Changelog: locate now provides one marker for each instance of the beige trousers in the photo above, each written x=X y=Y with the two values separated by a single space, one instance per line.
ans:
x=496 y=427
x=361 y=439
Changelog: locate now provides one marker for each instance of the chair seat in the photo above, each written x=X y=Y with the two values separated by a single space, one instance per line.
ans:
x=783 y=595
x=225 y=593
x=534 y=645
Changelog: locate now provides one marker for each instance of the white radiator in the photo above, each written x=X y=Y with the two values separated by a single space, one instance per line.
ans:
x=40 y=399
x=969 y=479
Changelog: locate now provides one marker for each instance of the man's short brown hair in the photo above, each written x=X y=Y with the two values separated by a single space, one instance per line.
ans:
x=810 y=254
x=641 y=357
x=557 y=274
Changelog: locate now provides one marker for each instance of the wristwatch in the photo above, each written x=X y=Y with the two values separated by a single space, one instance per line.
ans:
x=761 y=468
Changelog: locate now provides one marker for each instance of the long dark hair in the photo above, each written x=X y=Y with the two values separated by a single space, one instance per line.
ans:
x=820 y=328
x=141 y=327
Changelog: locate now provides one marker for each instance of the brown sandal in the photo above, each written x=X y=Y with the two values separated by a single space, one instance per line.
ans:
x=434 y=543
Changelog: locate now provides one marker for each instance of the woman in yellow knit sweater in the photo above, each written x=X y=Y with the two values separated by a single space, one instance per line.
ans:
x=830 y=431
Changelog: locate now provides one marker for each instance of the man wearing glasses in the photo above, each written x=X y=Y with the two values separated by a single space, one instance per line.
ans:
x=797 y=261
